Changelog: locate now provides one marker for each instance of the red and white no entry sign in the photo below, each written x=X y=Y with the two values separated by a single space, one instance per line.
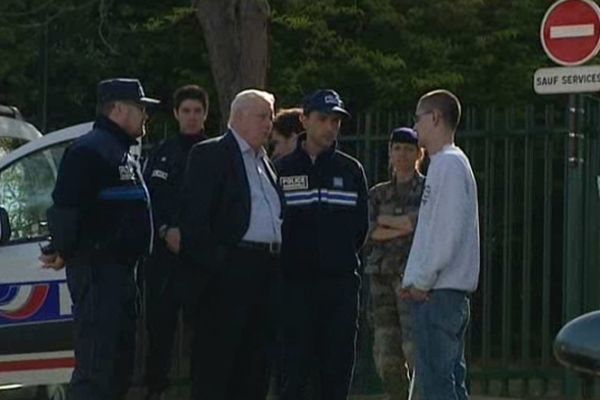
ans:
x=570 y=31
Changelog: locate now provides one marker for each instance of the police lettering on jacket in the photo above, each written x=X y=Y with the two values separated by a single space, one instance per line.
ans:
x=164 y=175
x=326 y=214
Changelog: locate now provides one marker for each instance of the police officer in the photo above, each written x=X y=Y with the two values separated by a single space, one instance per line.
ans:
x=168 y=282
x=100 y=224
x=325 y=224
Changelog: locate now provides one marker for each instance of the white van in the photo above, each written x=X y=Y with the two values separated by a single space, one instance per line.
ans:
x=35 y=307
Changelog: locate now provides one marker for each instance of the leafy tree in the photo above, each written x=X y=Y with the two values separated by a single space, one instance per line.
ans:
x=75 y=47
x=385 y=53
x=379 y=54
x=236 y=34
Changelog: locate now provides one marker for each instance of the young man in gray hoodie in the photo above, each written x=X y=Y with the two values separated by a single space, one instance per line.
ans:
x=443 y=265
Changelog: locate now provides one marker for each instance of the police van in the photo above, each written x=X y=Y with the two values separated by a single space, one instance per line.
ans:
x=35 y=307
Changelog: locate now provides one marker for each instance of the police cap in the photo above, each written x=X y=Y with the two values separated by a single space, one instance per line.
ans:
x=403 y=135
x=325 y=101
x=123 y=89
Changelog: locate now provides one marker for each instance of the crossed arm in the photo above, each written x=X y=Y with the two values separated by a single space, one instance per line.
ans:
x=390 y=227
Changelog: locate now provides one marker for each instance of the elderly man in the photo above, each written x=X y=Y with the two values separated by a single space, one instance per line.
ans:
x=231 y=232
x=100 y=224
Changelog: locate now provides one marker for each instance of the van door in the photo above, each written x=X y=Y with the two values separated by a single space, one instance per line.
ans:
x=35 y=307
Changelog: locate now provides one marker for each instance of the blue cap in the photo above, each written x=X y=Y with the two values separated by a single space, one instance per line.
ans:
x=404 y=135
x=325 y=101
x=123 y=89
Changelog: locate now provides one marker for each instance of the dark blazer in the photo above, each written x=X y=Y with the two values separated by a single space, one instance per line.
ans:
x=215 y=201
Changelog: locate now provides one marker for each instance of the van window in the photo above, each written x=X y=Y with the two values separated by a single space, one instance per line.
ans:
x=25 y=191
x=8 y=144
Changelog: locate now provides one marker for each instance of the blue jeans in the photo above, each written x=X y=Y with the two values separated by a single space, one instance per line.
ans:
x=440 y=325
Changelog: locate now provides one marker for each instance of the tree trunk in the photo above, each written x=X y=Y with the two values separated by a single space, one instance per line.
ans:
x=236 y=35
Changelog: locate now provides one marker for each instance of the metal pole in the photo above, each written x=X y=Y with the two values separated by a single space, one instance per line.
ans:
x=573 y=228
x=44 y=125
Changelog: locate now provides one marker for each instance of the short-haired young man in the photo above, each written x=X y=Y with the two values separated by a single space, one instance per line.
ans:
x=443 y=265
x=168 y=282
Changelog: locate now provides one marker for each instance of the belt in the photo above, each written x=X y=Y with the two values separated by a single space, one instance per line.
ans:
x=458 y=291
x=271 y=247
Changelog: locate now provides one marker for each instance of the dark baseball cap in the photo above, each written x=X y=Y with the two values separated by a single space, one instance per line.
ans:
x=403 y=135
x=325 y=101
x=123 y=89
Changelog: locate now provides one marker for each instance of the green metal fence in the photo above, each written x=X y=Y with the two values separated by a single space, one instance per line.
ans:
x=528 y=287
x=535 y=275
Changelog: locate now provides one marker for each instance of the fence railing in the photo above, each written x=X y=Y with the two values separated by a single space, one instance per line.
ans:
x=518 y=156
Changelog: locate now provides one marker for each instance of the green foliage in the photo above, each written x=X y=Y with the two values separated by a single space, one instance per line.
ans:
x=325 y=44
x=379 y=54
x=386 y=53
x=159 y=42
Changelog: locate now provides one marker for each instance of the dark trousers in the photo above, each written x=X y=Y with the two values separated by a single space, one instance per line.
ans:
x=166 y=294
x=319 y=330
x=104 y=311
x=234 y=325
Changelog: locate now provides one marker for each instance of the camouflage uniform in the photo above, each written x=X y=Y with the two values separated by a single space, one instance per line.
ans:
x=393 y=347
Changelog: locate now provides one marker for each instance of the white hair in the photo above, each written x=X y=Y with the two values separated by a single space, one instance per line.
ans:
x=245 y=97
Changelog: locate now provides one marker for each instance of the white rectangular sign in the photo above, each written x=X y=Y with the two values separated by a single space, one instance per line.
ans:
x=567 y=80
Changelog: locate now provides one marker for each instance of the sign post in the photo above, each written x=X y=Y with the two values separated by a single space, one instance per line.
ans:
x=567 y=80
x=570 y=31
x=570 y=36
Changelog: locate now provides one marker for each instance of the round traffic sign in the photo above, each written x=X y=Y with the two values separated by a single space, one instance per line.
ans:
x=570 y=31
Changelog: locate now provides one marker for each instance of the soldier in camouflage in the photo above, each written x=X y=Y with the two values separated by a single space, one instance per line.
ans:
x=394 y=206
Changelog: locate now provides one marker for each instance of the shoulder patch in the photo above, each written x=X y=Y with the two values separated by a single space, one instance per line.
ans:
x=338 y=182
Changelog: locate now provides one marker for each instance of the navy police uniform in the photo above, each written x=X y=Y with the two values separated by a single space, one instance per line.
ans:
x=326 y=214
x=168 y=283
x=325 y=224
x=100 y=224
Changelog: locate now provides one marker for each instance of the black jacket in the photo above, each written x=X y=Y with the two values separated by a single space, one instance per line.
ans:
x=163 y=174
x=326 y=214
x=215 y=201
x=100 y=201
